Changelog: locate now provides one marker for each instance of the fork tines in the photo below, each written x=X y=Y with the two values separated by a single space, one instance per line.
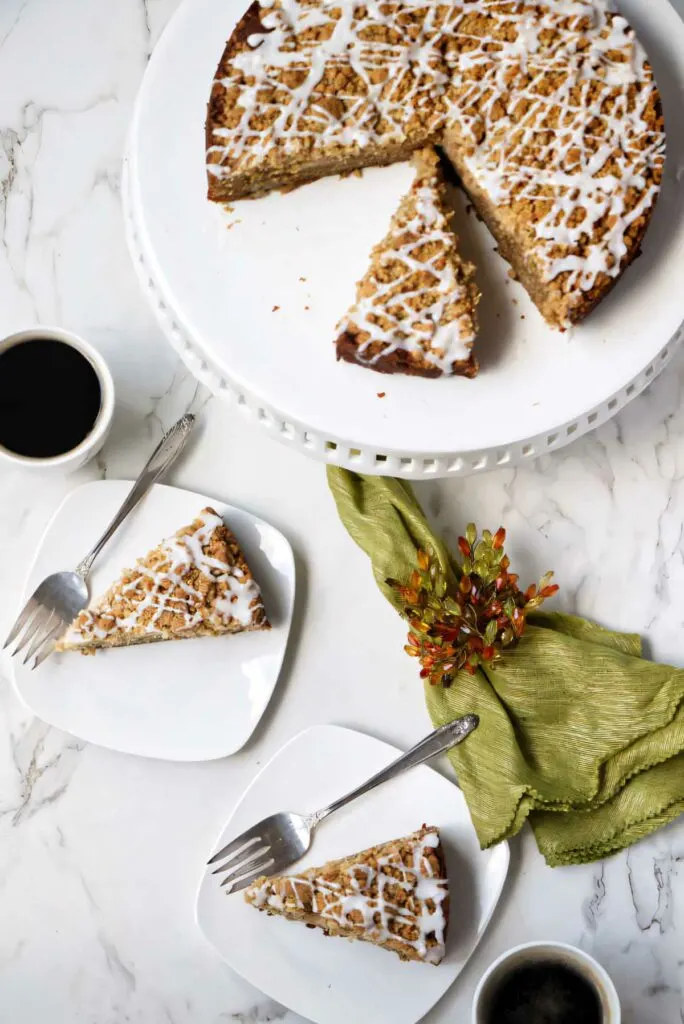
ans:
x=38 y=628
x=244 y=860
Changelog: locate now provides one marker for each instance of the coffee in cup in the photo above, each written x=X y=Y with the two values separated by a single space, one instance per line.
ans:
x=56 y=399
x=546 y=983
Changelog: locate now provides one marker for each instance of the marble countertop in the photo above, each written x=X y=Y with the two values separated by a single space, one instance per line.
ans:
x=100 y=853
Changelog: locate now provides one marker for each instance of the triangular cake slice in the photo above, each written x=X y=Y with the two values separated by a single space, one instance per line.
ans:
x=415 y=307
x=196 y=583
x=395 y=895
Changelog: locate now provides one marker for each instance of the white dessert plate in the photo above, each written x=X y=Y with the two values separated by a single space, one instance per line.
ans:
x=251 y=299
x=329 y=980
x=191 y=700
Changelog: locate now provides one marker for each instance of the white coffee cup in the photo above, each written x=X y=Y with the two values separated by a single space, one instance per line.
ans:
x=93 y=441
x=549 y=952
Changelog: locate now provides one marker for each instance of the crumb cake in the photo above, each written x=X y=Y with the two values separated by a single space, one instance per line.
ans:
x=415 y=307
x=548 y=109
x=395 y=895
x=196 y=583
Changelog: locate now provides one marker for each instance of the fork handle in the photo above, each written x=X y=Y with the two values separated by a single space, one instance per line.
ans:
x=166 y=452
x=438 y=742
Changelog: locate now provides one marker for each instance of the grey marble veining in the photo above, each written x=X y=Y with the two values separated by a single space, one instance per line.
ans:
x=100 y=853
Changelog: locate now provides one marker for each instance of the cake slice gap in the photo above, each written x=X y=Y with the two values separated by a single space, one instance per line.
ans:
x=415 y=308
x=395 y=896
x=195 y=583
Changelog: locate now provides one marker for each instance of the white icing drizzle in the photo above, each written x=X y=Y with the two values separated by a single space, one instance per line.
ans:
x=367 y=891
x=160 y=584
x=583 y=150
x=298 y=114
x=404 y=313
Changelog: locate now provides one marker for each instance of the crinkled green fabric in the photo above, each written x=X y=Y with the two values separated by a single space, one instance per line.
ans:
x=578 y=733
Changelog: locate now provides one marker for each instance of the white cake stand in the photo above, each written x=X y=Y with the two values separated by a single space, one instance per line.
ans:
x=250 y=299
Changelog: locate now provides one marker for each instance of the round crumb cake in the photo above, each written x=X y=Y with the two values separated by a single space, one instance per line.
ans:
x=549 y=112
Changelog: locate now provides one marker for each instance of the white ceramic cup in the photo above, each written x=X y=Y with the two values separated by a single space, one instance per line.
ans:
x=553 y=952
x=91 y=444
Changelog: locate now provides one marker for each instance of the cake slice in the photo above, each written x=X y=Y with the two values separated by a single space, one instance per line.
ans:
x=395 y=895
x=196 y=583
x=415 y=307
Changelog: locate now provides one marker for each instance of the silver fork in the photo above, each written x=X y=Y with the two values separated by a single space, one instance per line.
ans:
x=279 y=841
x=60 y=597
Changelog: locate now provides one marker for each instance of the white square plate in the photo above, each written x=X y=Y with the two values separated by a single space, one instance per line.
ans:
x=191 y=701
x=327 y=980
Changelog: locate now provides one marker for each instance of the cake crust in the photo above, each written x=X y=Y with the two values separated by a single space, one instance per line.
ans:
x=394 y=895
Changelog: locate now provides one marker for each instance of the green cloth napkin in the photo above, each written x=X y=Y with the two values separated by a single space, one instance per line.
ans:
x=577 y=732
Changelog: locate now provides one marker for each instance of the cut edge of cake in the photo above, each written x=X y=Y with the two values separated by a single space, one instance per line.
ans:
x=391 y=327
x=353 y=897
x=194 y=583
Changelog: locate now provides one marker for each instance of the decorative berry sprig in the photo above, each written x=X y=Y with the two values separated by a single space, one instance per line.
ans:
x=461 y=625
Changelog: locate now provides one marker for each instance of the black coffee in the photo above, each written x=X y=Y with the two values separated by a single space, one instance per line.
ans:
x=545 y=993
x=49 y=398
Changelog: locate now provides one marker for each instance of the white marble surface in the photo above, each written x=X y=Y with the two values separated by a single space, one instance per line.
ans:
x=100 y=853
